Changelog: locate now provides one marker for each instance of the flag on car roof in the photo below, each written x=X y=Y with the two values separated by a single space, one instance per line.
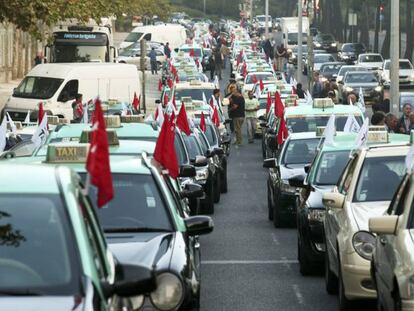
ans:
x=182 y=120
x=27 y=119
x=279 y=107
x=159 y=85
x=3 y=134
x=203 y=125
x=159 y=115
x=215 y=118
x=216 y=82
x=97 y=163
x=136 y=101
x=268 y=103
x=261 y=85
x=12 y=125
x=329 y=132
x=283 y=132
x=351 y=125
x=362 y=136
x=361 y=101
x=40 y=135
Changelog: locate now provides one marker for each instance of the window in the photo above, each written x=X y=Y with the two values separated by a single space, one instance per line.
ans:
x=397 y=204
x=330 y=167
x=346 y=177
x=192 y=146
x=300 y=151
x=69 y=91
x=37 y=87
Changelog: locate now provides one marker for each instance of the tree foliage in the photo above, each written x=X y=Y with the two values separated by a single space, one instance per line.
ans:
x=29 y=15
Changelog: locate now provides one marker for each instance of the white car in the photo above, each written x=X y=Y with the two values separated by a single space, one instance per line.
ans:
x=347 y=68
x=133 y=56
x=406 y=73
x=320 y=59
x=253 y=77
x=372 y=61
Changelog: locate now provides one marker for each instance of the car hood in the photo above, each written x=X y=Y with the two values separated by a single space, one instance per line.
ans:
x=143 y=248
x=363 y=85
x=362 y=212
x=44 y=303
x=371 y=64
x=315 y=197
x=260 y=112
x=292 y=170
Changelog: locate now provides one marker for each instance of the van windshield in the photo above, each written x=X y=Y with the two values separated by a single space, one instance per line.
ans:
x=37 y=87
x=133 y=36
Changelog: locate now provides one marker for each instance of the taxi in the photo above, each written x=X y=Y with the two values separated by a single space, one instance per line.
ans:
x=393 y=259
x=53 y=252
x=253 y=76
x=194 y=89
x=364 y=190
x=306 y=118
x=143 y=224
x=296 y=152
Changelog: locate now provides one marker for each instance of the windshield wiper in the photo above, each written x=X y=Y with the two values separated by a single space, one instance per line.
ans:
x=135 y=229
x=19 y=292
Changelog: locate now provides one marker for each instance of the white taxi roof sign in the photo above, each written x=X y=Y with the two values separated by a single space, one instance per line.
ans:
x=376 y=128
x=112 y=121
x=195 y=82
x=320 y=130
x=135 y=118
x=290 y=102
x=323 y=103
x=67 y=153
x=377 y=136
x=63 y=121
x=53 y=120
x=113 y=140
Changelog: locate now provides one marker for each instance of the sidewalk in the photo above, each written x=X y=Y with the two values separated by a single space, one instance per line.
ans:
x=6 y=89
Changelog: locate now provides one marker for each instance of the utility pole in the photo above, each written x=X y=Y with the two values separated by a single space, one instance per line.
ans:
x=311 y=16
x=395 y=57
x=143 y=46
x=300 y=40
x=204 y=7
x=266 y=19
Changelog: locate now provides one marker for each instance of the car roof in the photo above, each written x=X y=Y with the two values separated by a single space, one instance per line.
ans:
x=308 y=109
x=303 y=135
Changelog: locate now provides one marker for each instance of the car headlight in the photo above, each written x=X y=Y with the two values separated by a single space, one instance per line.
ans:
x=316 y=215
x=323 y=79
x=364 y=244
x=202 y=174
x=285 y=187
x=136 y=302
x=333 y=44
x=378 y=88
x=169 y=293
x=349 y=89
x=318 y=45
x=345 y=56
x=289 y=50
x=412 y=77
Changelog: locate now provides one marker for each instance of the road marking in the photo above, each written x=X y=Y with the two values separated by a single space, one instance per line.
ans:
x=250 y=262
x=298 y=294
x=274 y=238
x=286 y=263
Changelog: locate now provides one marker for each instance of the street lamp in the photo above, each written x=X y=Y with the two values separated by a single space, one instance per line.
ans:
x=395 y=57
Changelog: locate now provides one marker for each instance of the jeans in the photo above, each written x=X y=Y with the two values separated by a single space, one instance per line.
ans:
x=218 y=70
x=238 y=123
x=154 y=66
x=251 y=127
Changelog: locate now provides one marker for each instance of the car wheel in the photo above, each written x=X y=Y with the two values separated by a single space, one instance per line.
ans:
x=344 y=304
x=269 y=204
x=331 y=281
x=305 y=268
x=217 y=188
x=277 y=222
x=224 y=180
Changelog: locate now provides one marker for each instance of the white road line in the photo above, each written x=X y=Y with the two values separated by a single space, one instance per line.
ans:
x=286 y=263
x=298 y=294
x=250 y=262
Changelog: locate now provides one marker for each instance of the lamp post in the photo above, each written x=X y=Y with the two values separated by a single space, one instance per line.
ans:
x=395 y=57
x=300 y=40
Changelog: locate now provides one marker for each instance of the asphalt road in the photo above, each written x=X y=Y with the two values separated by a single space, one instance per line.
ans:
x=247 y=264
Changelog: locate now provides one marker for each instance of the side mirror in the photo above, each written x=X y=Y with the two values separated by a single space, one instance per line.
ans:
x=307 y=168
x=219 y=151
x=270 y=163
x=187 y=171
x=334 y=75
x=383 y=224
x=132 y=280
x=333 y=199
x=262 y=118
x=158 y=101
x=210 y=153
x=198 y=225
x=200 y=161
x=340 y=82
x=297 y=181
x=148 y=37
x=192 y=191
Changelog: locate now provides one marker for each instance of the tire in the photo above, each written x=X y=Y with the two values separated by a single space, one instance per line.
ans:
x=217 y=188
x=269 y=204
x=305 y=267
x=331 y=281
x=223 y=185
x=208 y=204
x=344 y=304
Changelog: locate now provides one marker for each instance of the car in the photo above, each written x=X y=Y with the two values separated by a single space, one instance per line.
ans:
x=347 y=68
x=325 y=41
x=364 y=190
x=132 y=55
x=297 y=151
x=196 y=49
x=349 y=52
x=306 y=118
x=320 y=59
x=253 y=77
x=393 y=248
x=52 y=246
x=406 y=73
x=372 y=61
x=329 y=71
x=366 y=81
x=192 y=89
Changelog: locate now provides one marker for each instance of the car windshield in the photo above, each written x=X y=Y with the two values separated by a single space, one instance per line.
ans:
x=330 y=167
x=37 y=253
x=195 y=94
x=353 y=48
x=37 y=87
x=370 y=59
x=293 y=38
x=309 y=123
x=211 y=135
x=405 y=65
x=368 y=77
x=137 y=204
x=327 y=37
x=193 y=148
x=262 y=18
x=197 y=51
x=179 y=150
x=330 y=68
x=130 y=52
x=253 y=78
x=300 y=151
x=322 y=58
x=379 y=178
x=133 y=36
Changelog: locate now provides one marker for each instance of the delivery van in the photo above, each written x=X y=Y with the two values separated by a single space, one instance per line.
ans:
x=56 y=85
x=173 y=33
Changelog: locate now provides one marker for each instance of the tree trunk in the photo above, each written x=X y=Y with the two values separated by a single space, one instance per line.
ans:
x=364 y=25
x=20 y=55
x=337 y=21
x=16 y=38
x=409 y=24
x=385 y=51
x=377 y=26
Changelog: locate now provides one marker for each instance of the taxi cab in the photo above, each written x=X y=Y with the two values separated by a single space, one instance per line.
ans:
x=306 y=118
x=194 y=89
x=393 y=260
x=53 y=252
x=297 y=151
x=258 y=74
x=144 y=225
x=364 y=190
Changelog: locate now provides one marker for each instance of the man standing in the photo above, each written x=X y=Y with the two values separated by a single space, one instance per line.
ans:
x=251 y=107
x=404 y=122
x=77 y=107
x=237 y=113
x=167 y=50
x=153 y=61
x=218 y=61
x=317 y=86
x=224 y=50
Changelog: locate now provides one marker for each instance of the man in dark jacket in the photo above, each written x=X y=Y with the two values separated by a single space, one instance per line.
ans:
x=237 y=111
x=167 y=50
x=404 y=122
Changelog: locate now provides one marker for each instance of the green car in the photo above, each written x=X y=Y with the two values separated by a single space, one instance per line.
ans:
x=53 y=252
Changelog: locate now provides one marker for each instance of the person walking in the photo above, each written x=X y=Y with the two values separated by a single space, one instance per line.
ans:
x=218 y=62
x=224 y=50
x=317 y=86
x=153 y=61
x=251 y=107
x=77 y=107
x=299 y=91
x=281 y=53
x=404 y=122
x=167 y=50
x=212 y=65
x=237 y=111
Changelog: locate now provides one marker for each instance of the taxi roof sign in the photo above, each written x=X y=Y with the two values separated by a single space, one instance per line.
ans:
x=112 y=121
x=135 y=118
x=63 y=121
x=290 y=102
x=67 y=153
x=376 y=128
x=113 y=140
x=412 y=137
x=320 y=131
x=195 y=82
x=377 y=136
x=53 y=120
x=323 y=103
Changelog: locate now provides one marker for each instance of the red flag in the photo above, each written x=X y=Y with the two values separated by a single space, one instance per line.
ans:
x=170 y=83
x=165 y=99
x=274 y=67
x=215 y=118
x=254 y=79
x=268 y=103
x=41 y=113
x=279 y=108
x=192 y=53
x=159 y=85
x=136 y=101
x=203 y=125
x=173 y=70
x=261 y=85
x=244 y=69
x=283 y=133
x=97 y=163
x=182 y=120
x=211 y=102
x=293 y=90
x=164 y=148
x=177 y=80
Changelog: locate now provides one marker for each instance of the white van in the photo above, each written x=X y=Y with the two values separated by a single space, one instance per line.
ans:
x=173 y=33
x=56 y=85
